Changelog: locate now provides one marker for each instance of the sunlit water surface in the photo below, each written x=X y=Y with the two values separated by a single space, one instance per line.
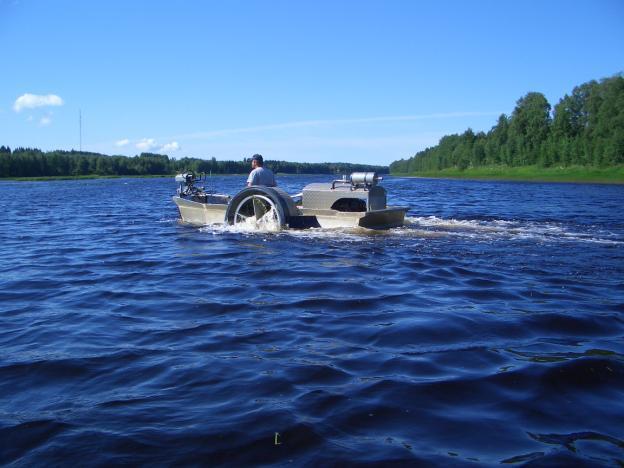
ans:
x=488 y=330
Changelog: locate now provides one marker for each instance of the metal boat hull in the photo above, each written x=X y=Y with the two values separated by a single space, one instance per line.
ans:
x=380 y=219
x=344 y=203
x=200 y=214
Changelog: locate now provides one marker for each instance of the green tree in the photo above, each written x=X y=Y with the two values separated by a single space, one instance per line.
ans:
x=529 y=128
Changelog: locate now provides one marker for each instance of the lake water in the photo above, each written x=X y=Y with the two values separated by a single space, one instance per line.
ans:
x=488 y=330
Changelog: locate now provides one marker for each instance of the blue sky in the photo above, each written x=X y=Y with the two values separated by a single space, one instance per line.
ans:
x=355 y=81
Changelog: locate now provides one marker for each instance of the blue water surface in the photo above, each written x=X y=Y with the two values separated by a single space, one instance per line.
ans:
x=489 y=330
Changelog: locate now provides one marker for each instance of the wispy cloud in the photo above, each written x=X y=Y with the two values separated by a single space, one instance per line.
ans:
x=371 y=149
x=45 y=121
x=331 y=123
x=169 y=147
x=146 y=144
x=123 y=142
x=31 y=101
x=150 y=144
x=359 y=140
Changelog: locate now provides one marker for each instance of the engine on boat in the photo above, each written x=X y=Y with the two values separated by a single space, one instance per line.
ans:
x=187 y=182
x=190 y=191
x=358 y=193
x=364 y=179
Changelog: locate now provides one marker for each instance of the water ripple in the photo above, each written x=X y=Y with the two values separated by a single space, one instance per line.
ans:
x=487 y=330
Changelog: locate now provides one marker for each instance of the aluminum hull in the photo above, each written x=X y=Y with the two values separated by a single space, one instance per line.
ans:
x=200 y=214
x=391 y=217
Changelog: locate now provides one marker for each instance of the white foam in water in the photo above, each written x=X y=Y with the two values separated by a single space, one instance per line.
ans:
x=272 y=227
x=267 y=223
x=492 y=229
x=430 y=227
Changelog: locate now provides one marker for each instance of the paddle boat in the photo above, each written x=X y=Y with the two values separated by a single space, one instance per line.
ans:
x=349 y=202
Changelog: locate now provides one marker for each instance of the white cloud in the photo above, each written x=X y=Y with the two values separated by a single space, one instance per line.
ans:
x=333 y=123
x=123 y=142
x=168 y=147
x=146 y=144
x=45 y=121
x=30 y=101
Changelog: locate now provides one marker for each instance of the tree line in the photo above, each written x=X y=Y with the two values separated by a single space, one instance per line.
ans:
x=32 y=162
x=585 y=128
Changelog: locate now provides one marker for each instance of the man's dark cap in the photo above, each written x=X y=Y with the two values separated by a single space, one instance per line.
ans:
x=257 y=157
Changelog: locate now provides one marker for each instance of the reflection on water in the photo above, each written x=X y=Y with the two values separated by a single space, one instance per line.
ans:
x=487 y=330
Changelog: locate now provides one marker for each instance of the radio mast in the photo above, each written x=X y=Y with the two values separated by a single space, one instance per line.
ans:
x=80 y=127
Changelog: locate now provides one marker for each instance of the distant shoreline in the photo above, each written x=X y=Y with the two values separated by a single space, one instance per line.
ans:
x=154 y=176
x=572 y=174
x=81 y=177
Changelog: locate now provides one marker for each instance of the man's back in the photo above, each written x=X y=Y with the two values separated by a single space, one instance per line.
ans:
x=261 y=176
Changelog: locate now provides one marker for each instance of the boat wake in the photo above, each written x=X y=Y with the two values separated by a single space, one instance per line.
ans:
x=434 y=227
x=539 y=231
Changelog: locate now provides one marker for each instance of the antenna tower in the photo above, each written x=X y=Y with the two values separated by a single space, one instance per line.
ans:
x=80 y=126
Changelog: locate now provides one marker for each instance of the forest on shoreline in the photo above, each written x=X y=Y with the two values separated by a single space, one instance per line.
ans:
x=34 y=163
x=584 y=129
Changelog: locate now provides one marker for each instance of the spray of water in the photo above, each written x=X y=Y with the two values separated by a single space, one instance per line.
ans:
x=432 y=227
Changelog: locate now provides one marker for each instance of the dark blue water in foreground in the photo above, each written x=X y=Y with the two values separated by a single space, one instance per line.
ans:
x=488 y=330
